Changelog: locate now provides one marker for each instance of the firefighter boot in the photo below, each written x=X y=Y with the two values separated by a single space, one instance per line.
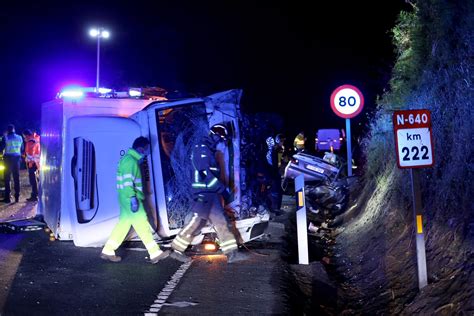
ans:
x=112 y=258
x=179 y=256
x=161 y=256
x=236 y=256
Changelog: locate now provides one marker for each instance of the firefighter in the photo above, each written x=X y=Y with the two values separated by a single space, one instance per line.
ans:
x=32 y=159
x=12 y=144
x=132 y=212
x=299 y=141
x=207 y=191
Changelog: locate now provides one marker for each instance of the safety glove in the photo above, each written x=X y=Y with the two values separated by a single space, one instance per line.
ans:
x=134 y=204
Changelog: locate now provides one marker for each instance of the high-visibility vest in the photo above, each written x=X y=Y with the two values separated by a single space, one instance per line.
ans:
x=129 y=177
x=32 y=150
x=13 y=144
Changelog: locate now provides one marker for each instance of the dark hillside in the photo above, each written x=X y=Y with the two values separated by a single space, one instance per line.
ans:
x=435 y=47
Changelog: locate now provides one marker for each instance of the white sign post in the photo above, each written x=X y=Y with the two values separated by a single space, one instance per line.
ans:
x=301 y=224
x=347 y=101
x=414 y=150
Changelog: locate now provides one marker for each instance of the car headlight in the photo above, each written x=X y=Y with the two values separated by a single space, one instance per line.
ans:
x=2 y=167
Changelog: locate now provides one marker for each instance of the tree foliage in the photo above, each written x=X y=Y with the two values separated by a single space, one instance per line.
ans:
x=433 y=70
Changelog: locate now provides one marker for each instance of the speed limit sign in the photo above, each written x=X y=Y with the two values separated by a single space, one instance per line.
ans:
x=347 y=101
x=413 y=138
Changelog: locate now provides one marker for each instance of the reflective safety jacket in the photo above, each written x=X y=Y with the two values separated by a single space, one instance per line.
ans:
x=32 y=150
x=206 y=170
x=13 y=143
x=129 y=179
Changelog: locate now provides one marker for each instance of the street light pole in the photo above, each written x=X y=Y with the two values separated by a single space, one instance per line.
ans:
x=99 y=32
x=98 y=63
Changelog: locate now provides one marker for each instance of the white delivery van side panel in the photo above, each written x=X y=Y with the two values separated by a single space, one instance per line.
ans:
x=94 y=146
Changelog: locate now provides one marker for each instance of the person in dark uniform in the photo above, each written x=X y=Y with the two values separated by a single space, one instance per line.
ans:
x=207 y=191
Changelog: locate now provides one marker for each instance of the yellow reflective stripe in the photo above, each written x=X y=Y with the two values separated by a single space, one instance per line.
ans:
x=196 y=176
x=137 y=180
x=212 y=183
x=300 y=199
x=228 y=242
x=198 y=185
x=229 y=247
x=191 y=222
x=419 y=224
x=125 y=176
x=150 y=245
x=139 y=189
x=213 y=168
x=181 y=243
x=127 y=184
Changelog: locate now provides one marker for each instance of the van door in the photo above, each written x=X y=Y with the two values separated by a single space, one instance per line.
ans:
x=94 y=148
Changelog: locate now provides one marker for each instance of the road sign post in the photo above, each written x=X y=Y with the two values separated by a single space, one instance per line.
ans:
x=301 y=224
x=347 y=101
x=414 y=143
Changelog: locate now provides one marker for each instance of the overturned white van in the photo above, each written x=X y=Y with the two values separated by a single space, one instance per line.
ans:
x=84 y=137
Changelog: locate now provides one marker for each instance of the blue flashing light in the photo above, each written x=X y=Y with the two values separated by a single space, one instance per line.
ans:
x=71 y=94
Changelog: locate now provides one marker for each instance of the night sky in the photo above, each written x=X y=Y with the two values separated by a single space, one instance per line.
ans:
x=287 y=56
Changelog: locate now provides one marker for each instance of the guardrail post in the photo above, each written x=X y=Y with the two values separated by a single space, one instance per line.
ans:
x=301 y=224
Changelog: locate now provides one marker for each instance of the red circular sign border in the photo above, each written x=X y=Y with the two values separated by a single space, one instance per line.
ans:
x=333 y=106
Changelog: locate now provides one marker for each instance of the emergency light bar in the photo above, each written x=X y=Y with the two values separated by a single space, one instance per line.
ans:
x=155 y=94
x=71 y=94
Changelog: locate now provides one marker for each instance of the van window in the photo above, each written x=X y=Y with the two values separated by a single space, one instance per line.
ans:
x=179 y=128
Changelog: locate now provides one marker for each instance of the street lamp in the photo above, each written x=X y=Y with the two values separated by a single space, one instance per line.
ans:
x=99 y=32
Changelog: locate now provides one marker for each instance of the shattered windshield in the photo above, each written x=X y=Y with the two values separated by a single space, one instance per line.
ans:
x=179 y=128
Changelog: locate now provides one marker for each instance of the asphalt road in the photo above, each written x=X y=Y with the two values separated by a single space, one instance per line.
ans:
x=43 y=277
x=57 y=278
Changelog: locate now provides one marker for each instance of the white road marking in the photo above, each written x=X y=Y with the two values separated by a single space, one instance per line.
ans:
x=167 y=290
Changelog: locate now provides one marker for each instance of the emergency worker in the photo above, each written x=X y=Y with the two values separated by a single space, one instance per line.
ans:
x=12 y=144
x=299 y=142
x=32 y=159
x=207 y=191
x=132 y=212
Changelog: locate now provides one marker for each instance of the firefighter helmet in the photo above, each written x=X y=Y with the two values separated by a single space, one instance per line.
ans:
x=219 y=130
